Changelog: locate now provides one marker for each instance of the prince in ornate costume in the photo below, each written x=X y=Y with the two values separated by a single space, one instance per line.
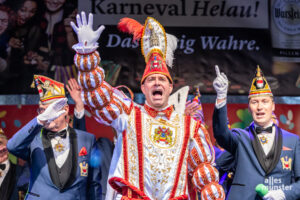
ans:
x=159 y=153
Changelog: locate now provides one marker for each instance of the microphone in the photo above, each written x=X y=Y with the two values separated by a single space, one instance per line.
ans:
x=261 y=190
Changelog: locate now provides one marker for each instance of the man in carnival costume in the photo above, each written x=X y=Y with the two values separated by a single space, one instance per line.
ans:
x=60 y=157
x=159 y=154
x=264 y=153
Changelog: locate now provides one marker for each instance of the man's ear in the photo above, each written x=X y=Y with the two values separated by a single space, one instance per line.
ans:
x=171 y=88
x=143 y=88
x=67 y=108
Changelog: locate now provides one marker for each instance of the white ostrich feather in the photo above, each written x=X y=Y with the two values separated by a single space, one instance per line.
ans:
x=171 y=46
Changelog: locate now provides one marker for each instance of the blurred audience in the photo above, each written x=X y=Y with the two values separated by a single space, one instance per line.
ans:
x=24 y=39
x=58 y=38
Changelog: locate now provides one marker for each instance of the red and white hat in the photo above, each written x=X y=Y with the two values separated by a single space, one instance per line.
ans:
x=49 y=89
x=157 y=46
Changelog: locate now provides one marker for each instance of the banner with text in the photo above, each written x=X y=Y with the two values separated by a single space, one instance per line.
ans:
x=232 y=34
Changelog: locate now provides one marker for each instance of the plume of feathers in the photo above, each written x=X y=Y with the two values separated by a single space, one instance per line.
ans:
x=131 y=26
x=171 y=46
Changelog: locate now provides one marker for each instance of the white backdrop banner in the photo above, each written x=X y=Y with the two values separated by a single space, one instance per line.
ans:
x=181 y=13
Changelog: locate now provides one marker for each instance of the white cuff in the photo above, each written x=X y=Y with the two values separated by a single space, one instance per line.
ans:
x=80 y=48
x=221 y=104
x=79 y=114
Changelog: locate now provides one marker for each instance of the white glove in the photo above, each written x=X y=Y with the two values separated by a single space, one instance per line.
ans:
x=220 y=84
x=87 y=38
x=53 y=111
x=274 y=195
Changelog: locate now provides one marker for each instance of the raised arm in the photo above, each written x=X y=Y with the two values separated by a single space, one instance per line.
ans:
x=19 y=144
x=108 y=105
x=75 y=92
x=225 y=138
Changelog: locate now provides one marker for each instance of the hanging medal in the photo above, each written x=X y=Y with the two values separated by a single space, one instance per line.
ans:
x=59 y=147
x=263 y=140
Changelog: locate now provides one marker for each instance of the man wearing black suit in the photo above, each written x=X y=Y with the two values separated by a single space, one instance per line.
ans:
x=8 y=180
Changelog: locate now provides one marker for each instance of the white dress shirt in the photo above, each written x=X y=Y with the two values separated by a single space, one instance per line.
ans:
x=266 y=139
x=4 y=172
x=61 y=157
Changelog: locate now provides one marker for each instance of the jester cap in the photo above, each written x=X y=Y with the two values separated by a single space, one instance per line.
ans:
x=157 y=46
x=49 y=90
x=259 y=86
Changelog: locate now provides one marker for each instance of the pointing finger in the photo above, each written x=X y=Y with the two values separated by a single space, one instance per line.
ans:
x=217 y=70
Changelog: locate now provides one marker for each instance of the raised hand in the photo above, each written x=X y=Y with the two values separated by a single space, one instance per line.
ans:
x=191 y=108
x=87 y=37
x=75 y=92
x=220 y=84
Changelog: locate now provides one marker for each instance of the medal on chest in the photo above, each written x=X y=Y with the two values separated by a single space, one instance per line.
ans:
x=263 y=140
x=286 y=163
x=59 y=147
x=83 y=168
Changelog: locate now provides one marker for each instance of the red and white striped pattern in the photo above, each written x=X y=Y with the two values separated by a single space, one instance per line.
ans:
x=205 y=177
x=212 y=191
x=204 y=174
x=104 y=100
x=87 y=62
x=200 y=149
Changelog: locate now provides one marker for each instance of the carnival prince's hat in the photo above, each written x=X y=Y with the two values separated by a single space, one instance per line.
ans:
x=157 y=46
x=259 y=86
x=49 y=90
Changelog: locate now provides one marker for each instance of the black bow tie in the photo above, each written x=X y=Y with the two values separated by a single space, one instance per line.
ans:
x=2 y=166
x=62 y=134
x=259 y=130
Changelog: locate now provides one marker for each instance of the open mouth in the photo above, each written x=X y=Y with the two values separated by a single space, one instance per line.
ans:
x=157 y=93
x=260 y=114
